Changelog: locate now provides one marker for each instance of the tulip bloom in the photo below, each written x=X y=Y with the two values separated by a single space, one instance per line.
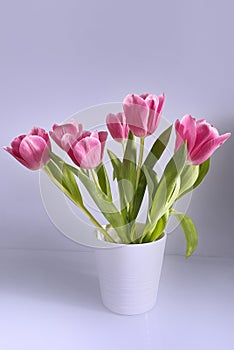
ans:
x=143 y=113
x=87 y=150
x=31 y=150
x=65 y=134
x=117 y=126
x=202 y=138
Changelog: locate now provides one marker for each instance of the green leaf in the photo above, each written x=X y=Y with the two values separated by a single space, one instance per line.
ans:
x=57 y=176
x=189 y=230
x=116 y=164
x=159 y=229
x=168 y=183
x=152 y=182
x=107 y=207
x=104 y=180
x=158 y=148
x=203 y=170
x=154 y=155
x=188 y=178
x=70 y=183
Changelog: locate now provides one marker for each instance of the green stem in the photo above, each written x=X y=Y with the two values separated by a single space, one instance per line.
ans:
x=95 y=178
x=67 y=193
x=141 y=152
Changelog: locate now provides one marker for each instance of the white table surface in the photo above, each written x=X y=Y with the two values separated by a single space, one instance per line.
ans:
x=50 y=300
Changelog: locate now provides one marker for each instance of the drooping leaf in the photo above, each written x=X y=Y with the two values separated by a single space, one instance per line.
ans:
x=189 y=230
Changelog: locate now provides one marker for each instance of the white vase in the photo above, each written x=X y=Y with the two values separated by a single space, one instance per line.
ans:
x=129 y=275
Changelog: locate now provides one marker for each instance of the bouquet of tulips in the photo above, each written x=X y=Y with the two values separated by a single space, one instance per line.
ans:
x=196 y=140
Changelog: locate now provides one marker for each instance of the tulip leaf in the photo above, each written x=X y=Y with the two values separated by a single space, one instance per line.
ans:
x=202 y=171
x=57 y=176
x=70 y=183
x=168 y=183
x=152 y=182
x=116 y=164
x=104 y=180
x=158 y=230
x=189 y=230
x=107 y=207
x=188 y=177
x=158 y=148
x=154 y=155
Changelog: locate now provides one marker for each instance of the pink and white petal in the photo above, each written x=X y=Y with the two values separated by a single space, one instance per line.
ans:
x=179 y=134
x=87 y=153
x=204 y=133
x=15 y=144
x=33 y=149
x=208 y=149
x=161 y=102
x=83 y=135
x=102 y=135
x=42 y=133
x=136 y=113
x=144 y=96
x=189 y=131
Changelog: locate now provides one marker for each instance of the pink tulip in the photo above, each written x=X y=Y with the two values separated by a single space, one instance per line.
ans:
x=143 y=113
x=31 y=150
x=65 y=134
x=117 y=126
x=87 y=150
x=202 y=138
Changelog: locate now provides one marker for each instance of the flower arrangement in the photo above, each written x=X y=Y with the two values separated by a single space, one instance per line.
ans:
x=196 y=141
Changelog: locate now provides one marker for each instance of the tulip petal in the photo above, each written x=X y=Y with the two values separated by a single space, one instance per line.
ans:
x=42 y=133
x=117 y=126
x=102 y=135
x=87 y=152
x=33 y=149
x=64 y=135
x=186 y=131
x=152 y=102
x=136 y=112
x=204 y=133
x=15 y=144
x=208 y=149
